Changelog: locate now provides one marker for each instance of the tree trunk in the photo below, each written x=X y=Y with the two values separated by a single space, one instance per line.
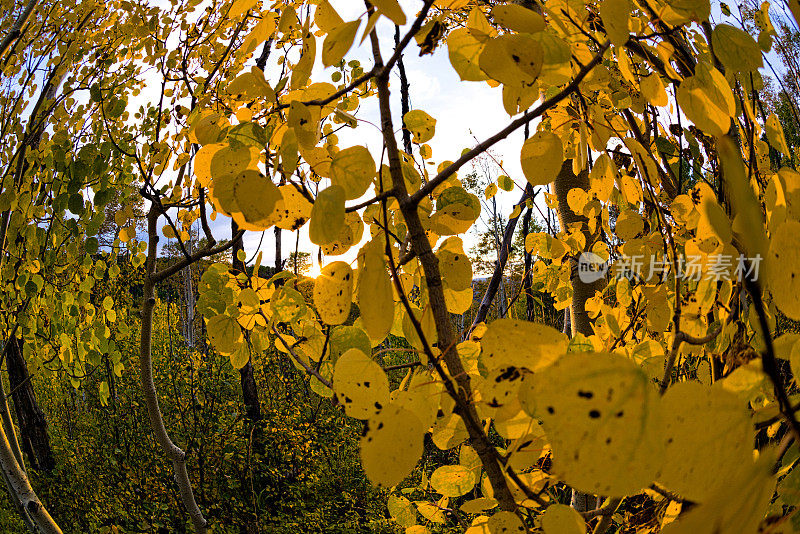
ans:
x=188 y=300
x=581 y=291
x=249 y=389
x=527 y=275
x=31 y=419
x=500 y=265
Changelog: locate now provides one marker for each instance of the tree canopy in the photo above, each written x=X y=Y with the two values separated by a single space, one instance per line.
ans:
x=145 y=143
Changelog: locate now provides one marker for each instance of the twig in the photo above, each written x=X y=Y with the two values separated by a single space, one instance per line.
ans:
x=768 y=357
x=667 y=494
x=680 y=337
x=605 y=515
x=310 y=370
x=402 y=366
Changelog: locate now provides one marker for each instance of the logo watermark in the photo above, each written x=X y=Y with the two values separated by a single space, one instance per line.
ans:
x=591 y=267
x=717 y=267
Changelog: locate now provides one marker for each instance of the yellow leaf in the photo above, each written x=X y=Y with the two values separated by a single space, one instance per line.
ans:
x=784 y=268
x=545 y=246
x=739 y=505
x=600 y=413
x=240 y=356
x=518 y=18
x=422 y=397
x=541 y=158
x=360 y=385
x=713 y=218
x=603 y=177
x=375 y=297
x=653 y=90
x=453 y=480
x=353 y=169
x=464 y=50
x=454 y=265
x=288 y=150
x=736 y=50
x=327 y=215
x=776 y=136
x=391 y=446
x=296 y=209
x=706 y=431
x=707 y=99
x=478 y=505
x=338 y=42
x=206 y=128
x=479 y=26
x=420 y=124
x=288 y=20
x=227 y=159
x=556 y=60
x=515 y=343
x=449 y=431
x=682 y=11
x=748 y=224
x=302 y=69
x=333 y=292
x=562 y=519
x=629 y=225
x=250 y=86
x=517 y=99
x=512 y=59
x=391 y=10
x=224 y=333
x=505 y=522
x=616 y=19
x=402 y=511
x=239 y=7
x=260 y=33
x=326 y=18
x=248 y=193
x=349 y=235
x=746 y=381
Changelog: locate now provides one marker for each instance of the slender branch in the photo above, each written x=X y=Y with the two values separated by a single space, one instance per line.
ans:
x=505 y=132
x=204 y=252
x=405 y=104
x=375 y=199
x=692 y=340
x=605 y=514
x=310 y=370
